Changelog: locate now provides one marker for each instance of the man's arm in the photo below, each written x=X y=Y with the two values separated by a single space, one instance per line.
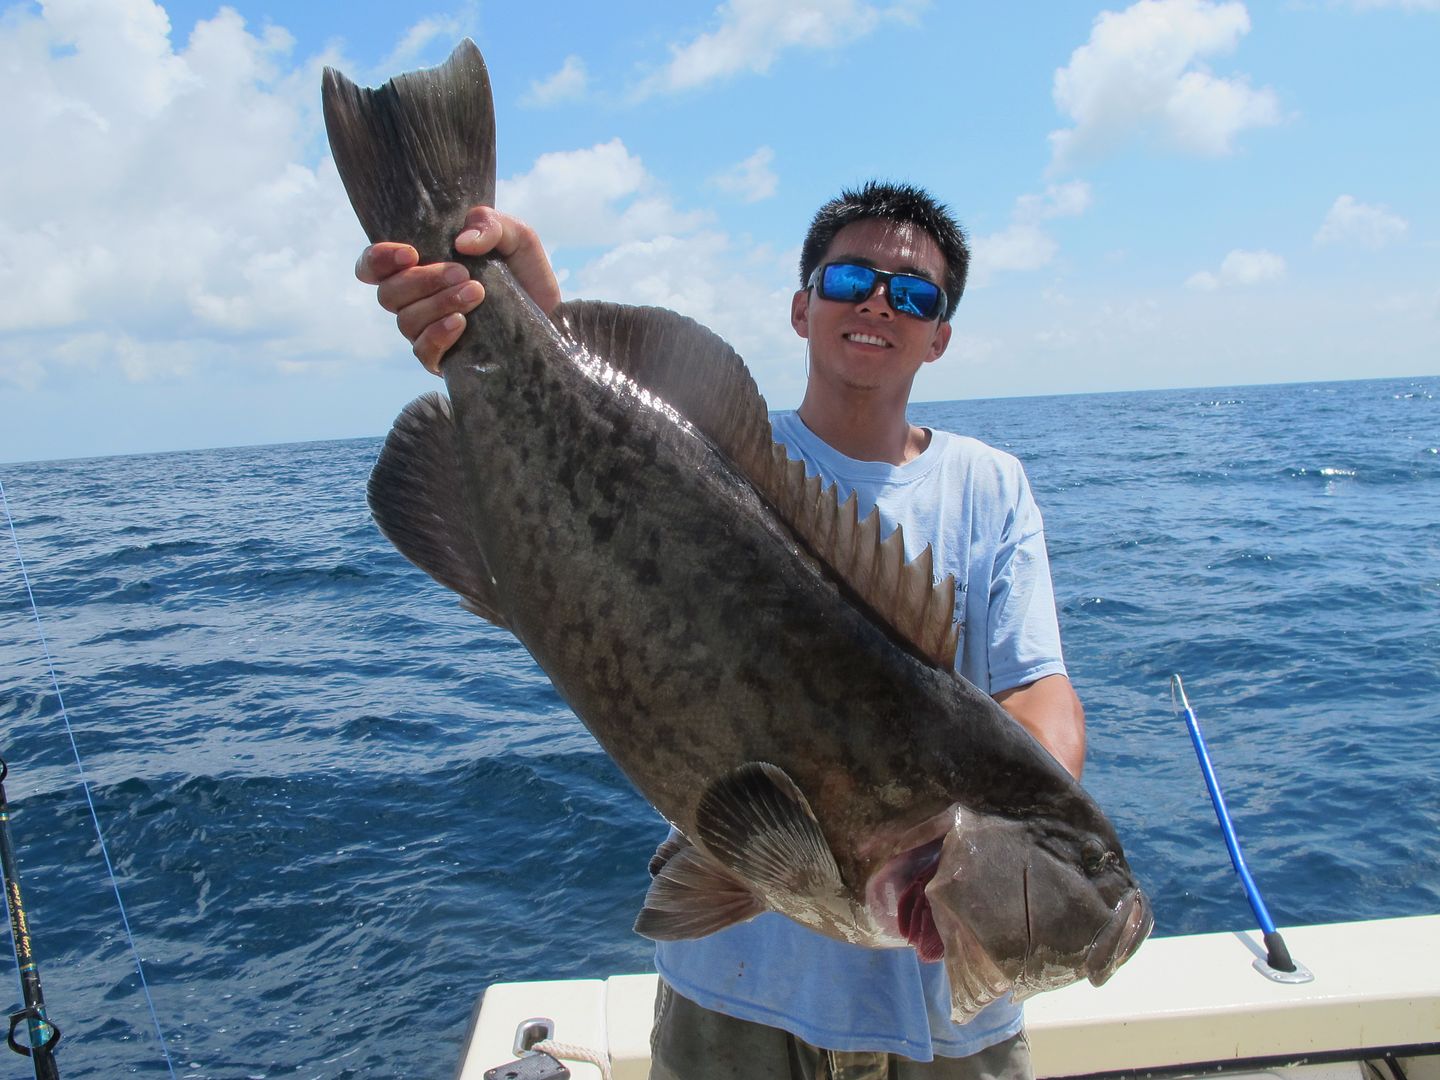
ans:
x=430 y=302
x=1049 y=709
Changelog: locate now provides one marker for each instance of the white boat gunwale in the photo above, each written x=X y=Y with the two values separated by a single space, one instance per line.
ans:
x=1181 y=1006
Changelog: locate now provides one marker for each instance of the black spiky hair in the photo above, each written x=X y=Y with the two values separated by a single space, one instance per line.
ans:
x=901 y=204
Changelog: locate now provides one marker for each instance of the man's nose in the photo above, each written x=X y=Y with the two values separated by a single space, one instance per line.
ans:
x=878 y=302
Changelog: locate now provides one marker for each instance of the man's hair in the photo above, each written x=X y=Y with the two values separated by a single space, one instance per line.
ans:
x=900 y=204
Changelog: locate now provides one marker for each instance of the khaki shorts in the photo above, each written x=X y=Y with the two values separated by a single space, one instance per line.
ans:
x=692 y=1043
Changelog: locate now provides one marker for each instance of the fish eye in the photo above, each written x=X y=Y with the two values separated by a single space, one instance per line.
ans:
x=1094 y=858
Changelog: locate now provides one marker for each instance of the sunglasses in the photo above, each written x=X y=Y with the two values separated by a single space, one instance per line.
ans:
x=850 y=283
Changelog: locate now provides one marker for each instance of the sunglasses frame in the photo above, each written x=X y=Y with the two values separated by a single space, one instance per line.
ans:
x=817 y=282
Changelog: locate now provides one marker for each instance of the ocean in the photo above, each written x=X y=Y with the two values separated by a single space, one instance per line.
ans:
x=339 y=806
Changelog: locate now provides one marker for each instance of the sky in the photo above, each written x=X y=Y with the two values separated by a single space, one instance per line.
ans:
x=1170 y=193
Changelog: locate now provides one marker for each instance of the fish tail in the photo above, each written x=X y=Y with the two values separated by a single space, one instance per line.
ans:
x=418 y=152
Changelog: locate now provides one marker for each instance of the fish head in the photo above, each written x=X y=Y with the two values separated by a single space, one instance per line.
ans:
x=1027 y=903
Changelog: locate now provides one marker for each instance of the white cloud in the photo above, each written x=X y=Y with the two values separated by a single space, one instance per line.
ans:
x=654 y=252
x=600 y=195
x=567 y=84
x=752 y=34
x=1059 y=200
x=185 y=221
x=1352 y=222
x=1024 y=245
x=741 y=293
x=408 y=52
x=1240 y=268
x=1141 y=75
x=157 y=213
x=752 y=179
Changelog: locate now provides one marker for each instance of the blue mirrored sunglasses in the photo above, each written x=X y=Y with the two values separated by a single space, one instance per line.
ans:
x=850 y=283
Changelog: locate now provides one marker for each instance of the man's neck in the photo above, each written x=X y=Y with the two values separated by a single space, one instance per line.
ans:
x=861 y=431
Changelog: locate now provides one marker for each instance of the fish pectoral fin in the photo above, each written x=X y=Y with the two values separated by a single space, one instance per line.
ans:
x=671 y=846
x=758 y=824
x=691 y=896
x=416 y=496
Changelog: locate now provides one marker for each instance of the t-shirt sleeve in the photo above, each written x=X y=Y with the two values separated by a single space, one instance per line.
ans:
x=1024 y=629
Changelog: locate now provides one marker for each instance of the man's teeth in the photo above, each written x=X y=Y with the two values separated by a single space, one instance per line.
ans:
x=867 y=339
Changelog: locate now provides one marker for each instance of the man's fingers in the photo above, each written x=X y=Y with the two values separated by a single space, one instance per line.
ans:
x=487 y=231
x=379 y=261
x=483 y=232
x=433 y=342
x=414 y=319
x=418 y=284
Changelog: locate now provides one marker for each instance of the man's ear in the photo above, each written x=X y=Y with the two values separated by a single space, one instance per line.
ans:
x=800 y=312
x=939 y=342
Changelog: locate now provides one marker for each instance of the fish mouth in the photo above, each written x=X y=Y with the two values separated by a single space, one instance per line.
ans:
x=1119 y=938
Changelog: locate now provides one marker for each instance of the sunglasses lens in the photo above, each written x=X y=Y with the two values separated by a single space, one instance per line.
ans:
x=910 y=295
x=914 y=296
x=847 y=282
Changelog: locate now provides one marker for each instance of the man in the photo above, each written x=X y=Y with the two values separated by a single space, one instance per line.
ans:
x=881 y=271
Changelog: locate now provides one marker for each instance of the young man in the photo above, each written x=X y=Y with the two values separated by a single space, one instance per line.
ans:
x=881 y=271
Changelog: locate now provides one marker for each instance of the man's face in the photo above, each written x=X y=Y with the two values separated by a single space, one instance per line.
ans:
x=867 y=345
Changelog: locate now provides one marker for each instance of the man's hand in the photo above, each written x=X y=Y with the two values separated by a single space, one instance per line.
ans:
x=430 y=302
x=1049 y=709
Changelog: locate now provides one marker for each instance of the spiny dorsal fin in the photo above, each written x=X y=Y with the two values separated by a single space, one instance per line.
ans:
x=415 y=496
x=697 y=373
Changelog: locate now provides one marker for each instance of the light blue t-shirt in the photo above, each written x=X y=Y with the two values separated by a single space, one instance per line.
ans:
x=972 y=503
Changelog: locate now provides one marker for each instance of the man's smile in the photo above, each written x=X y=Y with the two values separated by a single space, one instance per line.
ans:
x=867 y=339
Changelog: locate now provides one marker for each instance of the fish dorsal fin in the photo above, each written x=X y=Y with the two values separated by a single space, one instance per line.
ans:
x=415 y=495
x=691 y=896
x=693 y=370
x=759 y=825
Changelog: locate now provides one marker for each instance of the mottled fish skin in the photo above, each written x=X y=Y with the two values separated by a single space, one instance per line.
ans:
x=695 y=634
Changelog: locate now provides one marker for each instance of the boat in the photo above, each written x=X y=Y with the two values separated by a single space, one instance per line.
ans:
x=1364 y=1004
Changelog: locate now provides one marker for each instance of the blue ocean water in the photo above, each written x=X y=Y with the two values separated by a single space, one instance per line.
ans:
x=339 y=806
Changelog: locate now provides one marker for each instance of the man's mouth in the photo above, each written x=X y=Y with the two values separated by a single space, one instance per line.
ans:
x=868 y=339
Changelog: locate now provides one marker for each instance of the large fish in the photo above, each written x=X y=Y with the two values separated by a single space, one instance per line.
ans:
x=777 y=681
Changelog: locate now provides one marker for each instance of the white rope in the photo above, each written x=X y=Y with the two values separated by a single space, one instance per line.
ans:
x=575 y=1052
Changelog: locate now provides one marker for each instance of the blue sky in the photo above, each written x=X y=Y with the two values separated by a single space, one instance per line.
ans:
x=1167 y=193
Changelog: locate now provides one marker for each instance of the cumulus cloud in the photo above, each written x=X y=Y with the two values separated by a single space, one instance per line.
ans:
x=741 y=293
x=567 y=84
x=751 y=35
x=1350 y=221
x=412 y=45
x=169 y=210
x=1024 y=244
x=654 y=252
x=1240 y=268
x=167 y=207
x=752 y=179
x=1142 y=75
x=601 y=195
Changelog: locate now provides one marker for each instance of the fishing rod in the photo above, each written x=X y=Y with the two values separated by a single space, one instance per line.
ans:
x=40 y=1049
x=43 y=1034
x=1278 y=964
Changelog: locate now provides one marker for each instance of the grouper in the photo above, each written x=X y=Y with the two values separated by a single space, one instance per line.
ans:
x=765 y=666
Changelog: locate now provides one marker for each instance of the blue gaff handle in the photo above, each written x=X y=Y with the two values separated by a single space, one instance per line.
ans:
x=1278 y=956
